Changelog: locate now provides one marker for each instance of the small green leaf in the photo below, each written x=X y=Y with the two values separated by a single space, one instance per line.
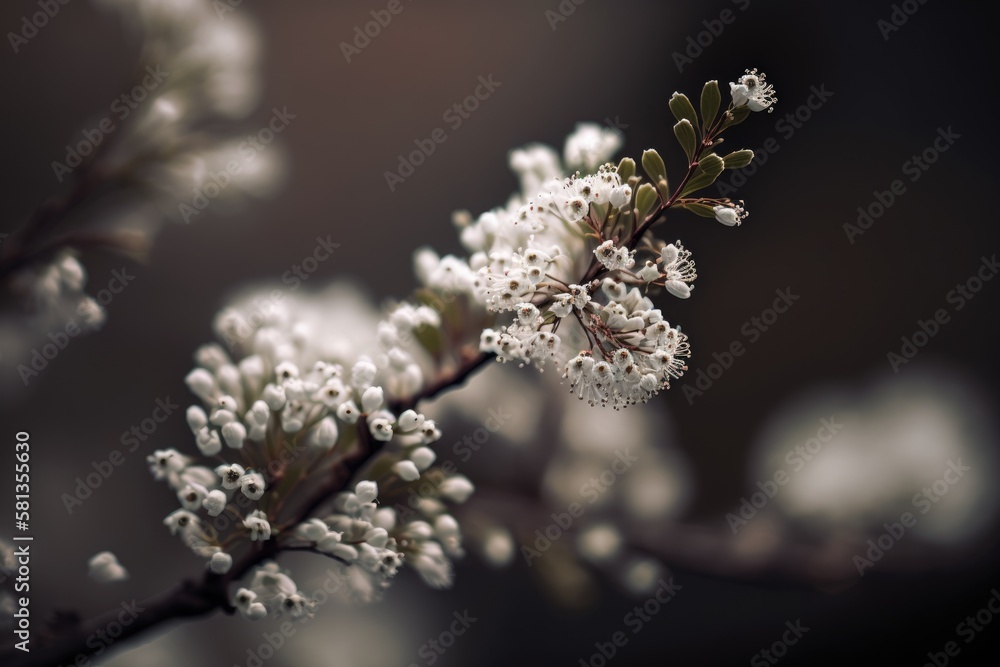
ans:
x=626 y=168
x=711 y=98
x=738 y=159
x=682 y=109
x=698 y=181
x=663 y=188
x=653 y=165
x=704 y=210
x=709 y=168
x=736 y=116
x=711 y=164
x=645 y=200
x=685 y=134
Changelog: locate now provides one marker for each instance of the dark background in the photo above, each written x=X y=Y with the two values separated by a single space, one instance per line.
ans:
x=607 y=60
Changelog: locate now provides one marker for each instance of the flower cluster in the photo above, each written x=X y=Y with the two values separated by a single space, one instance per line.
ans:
x=639 y=353
x=574 y=246
x=311 y=413
x=53 y=299
x=272 y=591
x=281 y=419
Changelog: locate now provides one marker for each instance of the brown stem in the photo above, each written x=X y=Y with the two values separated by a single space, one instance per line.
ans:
x=444 y=382
x=710 y=135
x=190 y=599
x=20 y=250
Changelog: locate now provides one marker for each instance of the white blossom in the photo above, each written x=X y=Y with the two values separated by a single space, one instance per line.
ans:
x=231 y=475
x=220 y=562
x=372 y=399
x=457 y=488
x=181 y=521
x=406 y=470
x=423 y=457
x=614 y=258
x=753 y=90
x=234 y=434
x=366 y=491
x=252 y=485
x=381 y=429
x=730 y=216
x=104 y=568
x=256 y=522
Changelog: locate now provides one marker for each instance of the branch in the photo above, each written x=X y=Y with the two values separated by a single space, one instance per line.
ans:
x=190 y=599
x=697 y=549
x=443 y=382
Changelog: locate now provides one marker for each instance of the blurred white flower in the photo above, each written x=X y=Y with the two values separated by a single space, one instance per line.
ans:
x=105 y=568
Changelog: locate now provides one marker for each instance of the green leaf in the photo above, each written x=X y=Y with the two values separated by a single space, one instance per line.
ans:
x=653 y=165
x=711 y=164
x=645 y=200
x=709 y=168
x=685 y=134
x=698 y=181
x=711 y=98
x=682 y=109
x=663 y=188
x=626 y=169
x=704 y=210
x=738 y=159
x=736 y=116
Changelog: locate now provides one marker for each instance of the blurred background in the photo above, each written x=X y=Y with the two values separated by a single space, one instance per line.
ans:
x=889 y=91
